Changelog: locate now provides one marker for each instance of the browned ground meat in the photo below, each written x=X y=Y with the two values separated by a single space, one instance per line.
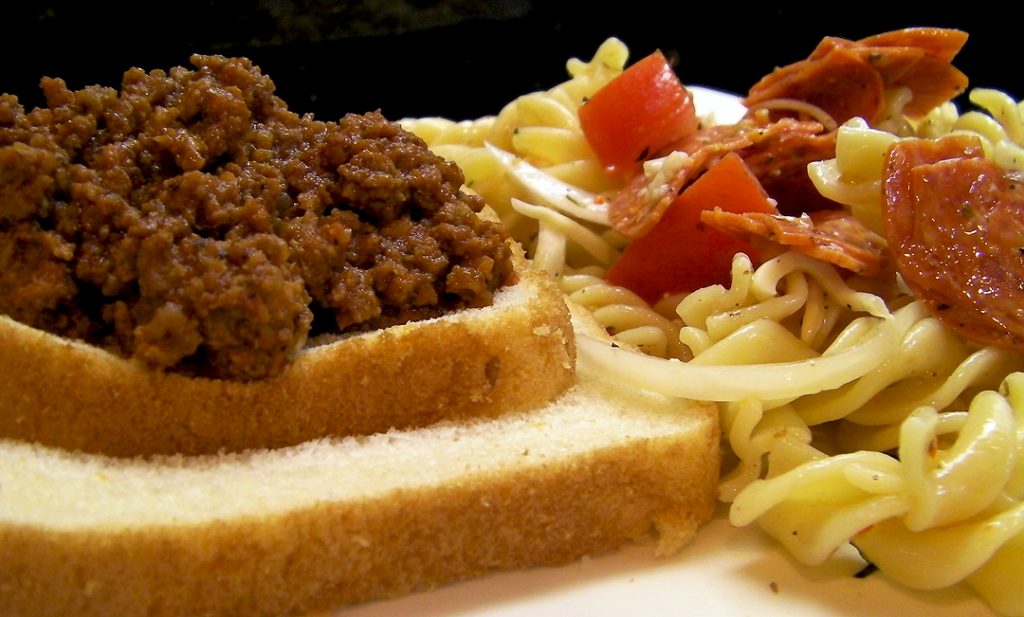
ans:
x=192 y=221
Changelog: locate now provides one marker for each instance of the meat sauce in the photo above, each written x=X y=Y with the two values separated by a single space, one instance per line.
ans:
x=195 y=223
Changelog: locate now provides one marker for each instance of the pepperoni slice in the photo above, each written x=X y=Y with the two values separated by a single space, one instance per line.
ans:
x=781 y=166
x=777 y=153
x=940 y=43
x=849 y=78
x=954 y=221
x=918 y=59
x=833 y=236
x=840 y=82
x=638 y=207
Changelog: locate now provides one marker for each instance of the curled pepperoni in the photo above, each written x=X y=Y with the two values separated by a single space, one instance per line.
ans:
x=638 y=207
x=850 y=78
x=943 y=44
x=840 y=82
x=777 y=153
x=833 y=236
x=918 y=59
x=954 y=221
x=781 y=166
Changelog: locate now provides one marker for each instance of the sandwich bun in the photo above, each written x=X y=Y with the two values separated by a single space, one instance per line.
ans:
x=337 y=521
x=512 y=355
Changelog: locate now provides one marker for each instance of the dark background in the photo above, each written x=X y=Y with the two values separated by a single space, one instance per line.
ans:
x=460 y=59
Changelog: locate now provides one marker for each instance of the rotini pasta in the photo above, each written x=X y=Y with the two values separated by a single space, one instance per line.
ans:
x=932 y=515
x=625 y=315
x=853 y=177
x=852 y=414
x=928 y=518
x=533 y=150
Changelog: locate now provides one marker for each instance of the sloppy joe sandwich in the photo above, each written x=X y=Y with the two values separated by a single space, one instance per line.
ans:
x=260 y=364
x=187 y=266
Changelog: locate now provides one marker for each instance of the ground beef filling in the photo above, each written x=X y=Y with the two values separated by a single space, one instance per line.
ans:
x=191 y=221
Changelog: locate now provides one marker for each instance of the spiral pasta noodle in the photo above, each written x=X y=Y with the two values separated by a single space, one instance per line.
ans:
x=540 y=133
x=852 y=415
x=853 y=177
x=930 y=517
x=1000 y=126
x=629 y=319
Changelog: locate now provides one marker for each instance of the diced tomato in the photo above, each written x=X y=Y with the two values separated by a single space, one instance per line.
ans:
x=637 y=113
x=681 y=253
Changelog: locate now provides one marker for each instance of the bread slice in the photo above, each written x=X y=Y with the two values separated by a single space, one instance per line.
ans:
x=514 y=354
x=338 y=521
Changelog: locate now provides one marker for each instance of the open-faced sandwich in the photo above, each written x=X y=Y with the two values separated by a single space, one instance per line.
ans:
x=253 y=363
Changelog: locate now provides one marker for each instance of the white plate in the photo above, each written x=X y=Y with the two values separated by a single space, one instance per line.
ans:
x=717 y=106
x=726 y=572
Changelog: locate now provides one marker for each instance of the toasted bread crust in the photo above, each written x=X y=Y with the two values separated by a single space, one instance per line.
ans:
x=288 y=554
x=477 y=362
